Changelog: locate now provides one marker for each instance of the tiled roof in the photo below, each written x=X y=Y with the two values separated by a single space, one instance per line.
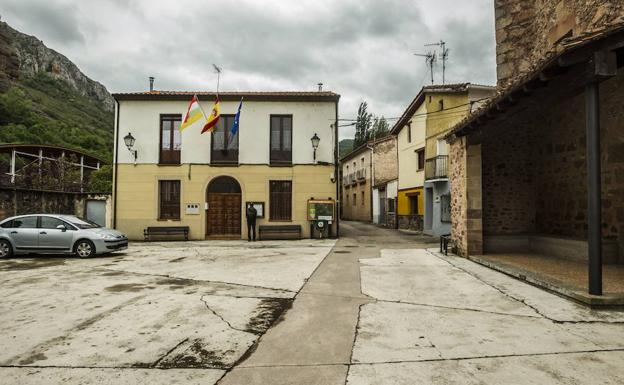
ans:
x=251 y=95
x=566 y=46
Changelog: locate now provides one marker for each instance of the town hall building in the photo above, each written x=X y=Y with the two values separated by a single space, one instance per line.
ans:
x=283 y=155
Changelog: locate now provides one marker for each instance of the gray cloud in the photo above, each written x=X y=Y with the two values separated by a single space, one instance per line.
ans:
x=52 y=22
x=362 y=49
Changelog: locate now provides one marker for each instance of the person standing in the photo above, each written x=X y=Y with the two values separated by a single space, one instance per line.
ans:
x=252 y=213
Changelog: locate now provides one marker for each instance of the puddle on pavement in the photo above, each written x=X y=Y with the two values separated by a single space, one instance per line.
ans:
x=268 y=314
x=33 y=358
x=31 y=263
x=195 y=356
x=128 y=287
x=181 y=282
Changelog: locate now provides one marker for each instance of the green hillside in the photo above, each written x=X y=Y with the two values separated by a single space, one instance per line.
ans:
x=44 y=110
x=345 y=146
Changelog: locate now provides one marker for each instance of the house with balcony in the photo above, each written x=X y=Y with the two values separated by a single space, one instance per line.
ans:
x=284 y=153
x=445 y=105
x=423 y=201
x=356 y=185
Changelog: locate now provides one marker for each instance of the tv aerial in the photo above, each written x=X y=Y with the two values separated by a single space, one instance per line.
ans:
x=445 y=54
x=430 y=59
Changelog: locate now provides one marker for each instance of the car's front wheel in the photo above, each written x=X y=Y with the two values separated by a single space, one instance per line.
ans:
x=84 y=248
x=5 y=249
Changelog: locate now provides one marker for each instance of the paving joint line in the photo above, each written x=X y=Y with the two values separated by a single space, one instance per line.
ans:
x=522 y=301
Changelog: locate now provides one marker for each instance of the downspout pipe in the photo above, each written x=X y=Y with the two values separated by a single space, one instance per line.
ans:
x=337 y=174
x=117 y=105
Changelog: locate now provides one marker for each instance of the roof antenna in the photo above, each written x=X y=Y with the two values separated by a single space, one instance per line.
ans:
x=320 y=85
x=218 y=71
x=151 y=80
x=445 y=53
x=430 y=59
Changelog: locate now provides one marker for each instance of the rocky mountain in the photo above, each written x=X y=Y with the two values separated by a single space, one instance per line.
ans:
x=46 y=99
x=25 y=56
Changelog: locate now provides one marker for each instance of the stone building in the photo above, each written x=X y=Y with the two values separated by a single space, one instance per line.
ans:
x=384 y=171
x=527 y=168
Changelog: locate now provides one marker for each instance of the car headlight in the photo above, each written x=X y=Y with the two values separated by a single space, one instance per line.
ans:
x=107 y=236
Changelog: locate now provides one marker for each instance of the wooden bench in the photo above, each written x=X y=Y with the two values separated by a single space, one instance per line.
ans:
x=166 y=230
x=279 y=231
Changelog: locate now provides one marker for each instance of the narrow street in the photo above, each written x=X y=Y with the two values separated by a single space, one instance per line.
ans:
x=381 y=308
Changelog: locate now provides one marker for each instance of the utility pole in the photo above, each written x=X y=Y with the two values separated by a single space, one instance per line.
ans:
x=430 y=59
x=444 y=54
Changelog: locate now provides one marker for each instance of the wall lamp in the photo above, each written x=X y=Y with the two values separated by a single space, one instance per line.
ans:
x=315 y=143
x=129 y=141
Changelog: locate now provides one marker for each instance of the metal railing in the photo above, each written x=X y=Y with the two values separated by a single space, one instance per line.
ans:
x=361 y=174
x=436 y=167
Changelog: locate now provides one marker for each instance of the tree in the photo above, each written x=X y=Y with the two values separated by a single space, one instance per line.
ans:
x=101 y=180
x=362 y=125
x=380 y=128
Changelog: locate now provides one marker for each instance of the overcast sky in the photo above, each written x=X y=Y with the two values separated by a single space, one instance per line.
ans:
x=361 y=49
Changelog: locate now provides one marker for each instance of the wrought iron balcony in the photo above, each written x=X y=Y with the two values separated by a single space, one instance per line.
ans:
x=436 y=167
x=361 y=174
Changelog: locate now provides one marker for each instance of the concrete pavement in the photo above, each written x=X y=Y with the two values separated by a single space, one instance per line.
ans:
x=376 y=307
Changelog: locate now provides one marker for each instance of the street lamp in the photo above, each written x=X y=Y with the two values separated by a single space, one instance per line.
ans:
x=129 y=141
x=315 y=143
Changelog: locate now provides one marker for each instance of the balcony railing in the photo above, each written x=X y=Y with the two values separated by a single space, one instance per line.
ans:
x=361 y=174
x=437 y=167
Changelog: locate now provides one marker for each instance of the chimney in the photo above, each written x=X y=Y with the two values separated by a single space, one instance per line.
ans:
x=151 y=79
x=320 y=87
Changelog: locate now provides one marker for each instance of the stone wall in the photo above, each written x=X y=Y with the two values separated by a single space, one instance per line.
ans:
x=508 y=181
x=457 y=174
x=19 y=202
x=411 y=222
x=385 y=161
x=534 y=176
x=527 y=30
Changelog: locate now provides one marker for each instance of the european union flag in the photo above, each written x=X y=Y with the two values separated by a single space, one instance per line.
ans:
x=234 y=129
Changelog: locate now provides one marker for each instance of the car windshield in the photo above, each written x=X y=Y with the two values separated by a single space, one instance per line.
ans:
x=82 y=223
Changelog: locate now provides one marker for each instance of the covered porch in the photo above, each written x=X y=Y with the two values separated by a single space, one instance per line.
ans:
x=543 y=175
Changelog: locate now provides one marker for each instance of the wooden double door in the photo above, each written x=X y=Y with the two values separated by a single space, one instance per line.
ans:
x=224 y=215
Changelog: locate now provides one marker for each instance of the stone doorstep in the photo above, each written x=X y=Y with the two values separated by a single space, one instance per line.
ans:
x=554 y=286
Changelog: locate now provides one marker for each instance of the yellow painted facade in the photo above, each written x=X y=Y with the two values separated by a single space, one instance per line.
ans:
x=403 y=201
x=137 y=193
x=455 y=107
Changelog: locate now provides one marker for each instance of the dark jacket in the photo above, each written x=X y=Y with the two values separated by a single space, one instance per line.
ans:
x=252 y=213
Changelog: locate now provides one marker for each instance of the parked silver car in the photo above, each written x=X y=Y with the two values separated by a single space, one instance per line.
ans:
x=57 y=234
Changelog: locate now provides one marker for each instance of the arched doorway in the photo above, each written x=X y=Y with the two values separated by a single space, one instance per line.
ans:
x=223 y=217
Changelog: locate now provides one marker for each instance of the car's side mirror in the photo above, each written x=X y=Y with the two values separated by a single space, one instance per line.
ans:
x=61 y=227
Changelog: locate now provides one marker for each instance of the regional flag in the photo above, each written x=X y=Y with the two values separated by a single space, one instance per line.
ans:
x=193 y=113
x=213 y=119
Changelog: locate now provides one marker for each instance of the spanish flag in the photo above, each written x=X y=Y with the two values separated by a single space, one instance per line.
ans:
x=213 y=119
x=193 y=113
